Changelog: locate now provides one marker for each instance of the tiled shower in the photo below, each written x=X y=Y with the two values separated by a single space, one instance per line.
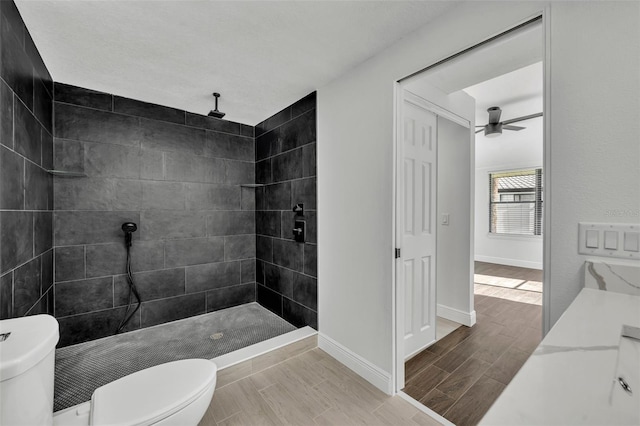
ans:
x=212 y=200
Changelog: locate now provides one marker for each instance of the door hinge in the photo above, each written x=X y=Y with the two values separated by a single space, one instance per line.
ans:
x=397 y=253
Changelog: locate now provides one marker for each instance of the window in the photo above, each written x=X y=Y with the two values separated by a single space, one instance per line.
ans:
x=515 y=202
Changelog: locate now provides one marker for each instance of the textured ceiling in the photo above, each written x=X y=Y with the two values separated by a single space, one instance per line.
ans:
x=261 y=56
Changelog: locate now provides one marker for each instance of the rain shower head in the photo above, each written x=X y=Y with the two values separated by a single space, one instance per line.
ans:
x=215 y=113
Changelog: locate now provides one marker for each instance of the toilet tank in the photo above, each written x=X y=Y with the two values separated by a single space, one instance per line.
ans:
x=27 y=355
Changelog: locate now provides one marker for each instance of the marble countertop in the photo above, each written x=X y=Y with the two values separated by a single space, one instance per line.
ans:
x=569 y=378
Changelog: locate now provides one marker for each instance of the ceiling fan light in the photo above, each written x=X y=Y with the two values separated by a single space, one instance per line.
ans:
x=492 y=130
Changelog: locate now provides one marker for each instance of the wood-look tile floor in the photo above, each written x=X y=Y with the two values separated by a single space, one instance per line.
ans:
x=308 y=389
x=461 y=375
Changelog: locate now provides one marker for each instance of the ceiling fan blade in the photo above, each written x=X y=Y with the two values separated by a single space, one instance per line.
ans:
x=481 y=130
x=524 y=117
x=510 y=127
x=494 y=115
x=482 y=125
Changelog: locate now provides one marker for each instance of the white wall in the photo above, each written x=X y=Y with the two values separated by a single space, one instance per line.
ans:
x=594 y=126
x=453 y=257
x=511 y=151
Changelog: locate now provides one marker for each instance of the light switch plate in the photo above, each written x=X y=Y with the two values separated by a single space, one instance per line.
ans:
x=611 y=241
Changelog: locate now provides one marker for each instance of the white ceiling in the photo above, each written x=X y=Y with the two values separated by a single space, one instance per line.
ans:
x=261 y=56
x=517 y=93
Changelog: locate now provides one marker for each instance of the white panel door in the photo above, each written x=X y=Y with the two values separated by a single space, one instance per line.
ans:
x=419 y=227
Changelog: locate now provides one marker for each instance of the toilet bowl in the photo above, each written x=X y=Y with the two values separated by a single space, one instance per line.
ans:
x=174 y=393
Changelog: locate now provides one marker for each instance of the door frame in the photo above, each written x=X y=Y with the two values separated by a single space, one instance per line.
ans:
x=397 y=295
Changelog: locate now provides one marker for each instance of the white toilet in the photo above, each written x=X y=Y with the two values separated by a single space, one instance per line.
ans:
x=175 y=393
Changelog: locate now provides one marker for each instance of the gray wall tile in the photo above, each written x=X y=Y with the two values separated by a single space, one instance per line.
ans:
x=288 y=254
x=248 y=271
x=231 y=223
x=248 y=199
x=83 y=97
x=191 y=168
x=309 y=162
x=171 y=309
x=305 y=291
x=26 y=284
x=43 y=105
x=230 y=296
x=193 y=251
x=68 y=155
x=26 y=133
x=299 y=315
x=278 y=196
x=151 y=285
x=239 y=247
x=90 y=125
x=16 y=233
x=107 y=160
x=212 y=276
x=311 y=260
x=97 y=194
x=38 y=188
x=268 y=223
x=6 y=115
x=76 y=297
x=223 y=145
x=144 y=109
x=304 y=191
x=287 y=166
x=279 y=279
x=264 y=248
x=46 y=274
x=303 y=105
x=239 y=172
x=110 y=259
x=211 y=123
x=151 y=164
x=70 y=263
x=156 y=224
x=94 y=325
x=88 y=227
x=269 y=299
x=47 y=149
x=6 y=295
x=42 y=232
x=11 y=180
x=263 y=171
x=163 y=136
x=163 y=195
x=202 y=196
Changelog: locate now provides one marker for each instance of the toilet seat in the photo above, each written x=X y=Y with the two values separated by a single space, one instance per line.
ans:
x=148 y=396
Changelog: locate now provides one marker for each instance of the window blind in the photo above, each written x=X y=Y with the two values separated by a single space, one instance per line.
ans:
x=515 y=202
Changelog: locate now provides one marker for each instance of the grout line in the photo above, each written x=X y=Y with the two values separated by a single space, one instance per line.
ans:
x=112 y=111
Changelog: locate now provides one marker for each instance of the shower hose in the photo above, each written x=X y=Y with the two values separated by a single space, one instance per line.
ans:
x=133 y=291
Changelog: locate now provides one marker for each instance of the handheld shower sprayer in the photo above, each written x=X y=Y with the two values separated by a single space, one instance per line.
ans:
x=129 y=228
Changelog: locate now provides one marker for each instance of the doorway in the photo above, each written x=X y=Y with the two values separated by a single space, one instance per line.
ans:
x=431 y=372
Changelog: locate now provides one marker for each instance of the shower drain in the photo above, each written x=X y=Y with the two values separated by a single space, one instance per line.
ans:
x=216 y=336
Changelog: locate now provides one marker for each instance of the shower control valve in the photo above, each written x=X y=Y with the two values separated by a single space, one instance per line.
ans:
x=299 y=231
x=299 y=209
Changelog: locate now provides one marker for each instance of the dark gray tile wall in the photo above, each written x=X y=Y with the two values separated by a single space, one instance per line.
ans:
x=26 y=189
x=175 y=174
x=286 y=271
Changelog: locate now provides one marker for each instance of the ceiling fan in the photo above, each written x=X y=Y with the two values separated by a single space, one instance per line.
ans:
x=494 y=127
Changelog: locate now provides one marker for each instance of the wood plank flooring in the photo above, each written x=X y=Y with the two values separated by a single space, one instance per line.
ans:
x=461 y=375
x=308 y=388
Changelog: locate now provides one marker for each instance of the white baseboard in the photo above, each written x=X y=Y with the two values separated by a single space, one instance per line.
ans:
x=371 y=373
x=465 y=318
x=511 y=262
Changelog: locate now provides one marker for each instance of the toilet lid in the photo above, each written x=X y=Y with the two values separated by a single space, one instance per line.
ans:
x=148 y=396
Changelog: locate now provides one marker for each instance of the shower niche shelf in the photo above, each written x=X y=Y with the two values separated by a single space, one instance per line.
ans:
x=252 y=185
x=63 y=173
